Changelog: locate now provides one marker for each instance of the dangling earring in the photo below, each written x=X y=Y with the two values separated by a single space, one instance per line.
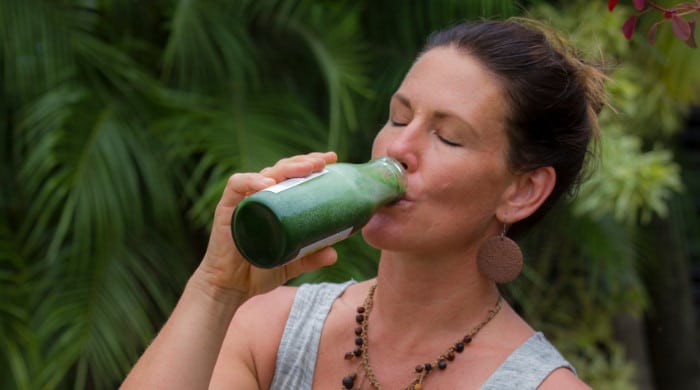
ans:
x=500 y=258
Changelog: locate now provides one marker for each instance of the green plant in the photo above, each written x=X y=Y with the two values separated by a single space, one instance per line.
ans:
x=121 y=123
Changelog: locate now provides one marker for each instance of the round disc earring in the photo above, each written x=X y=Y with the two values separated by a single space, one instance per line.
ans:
x=500 y=258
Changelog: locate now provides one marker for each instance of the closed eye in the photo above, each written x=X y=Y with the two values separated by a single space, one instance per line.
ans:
x=398 y=124
x=445 y=140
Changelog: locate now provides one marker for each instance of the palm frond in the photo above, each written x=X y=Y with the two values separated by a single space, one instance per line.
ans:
x=222 y=140
x=16 y=338
x=209 y=49
x=97 y=185
x=35 y=52
x=99 y=317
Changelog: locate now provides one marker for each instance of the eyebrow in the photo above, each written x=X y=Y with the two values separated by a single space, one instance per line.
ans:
x=437 y=114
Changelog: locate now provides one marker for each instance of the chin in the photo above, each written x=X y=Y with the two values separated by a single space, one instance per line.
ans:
x=381 y=234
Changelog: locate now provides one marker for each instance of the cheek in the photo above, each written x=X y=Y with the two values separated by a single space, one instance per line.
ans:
x=464 y=189
x=448 y=181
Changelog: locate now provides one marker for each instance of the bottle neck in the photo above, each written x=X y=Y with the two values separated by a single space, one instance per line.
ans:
x=388 y=171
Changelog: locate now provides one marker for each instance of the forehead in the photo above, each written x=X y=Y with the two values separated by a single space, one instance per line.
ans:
x=447 y=79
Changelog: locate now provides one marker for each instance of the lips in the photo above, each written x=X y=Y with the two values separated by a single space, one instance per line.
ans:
x=404 y=200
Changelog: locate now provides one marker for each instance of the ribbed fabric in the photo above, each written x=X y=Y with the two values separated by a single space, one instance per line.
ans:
x=526 y=368
x=296 y=356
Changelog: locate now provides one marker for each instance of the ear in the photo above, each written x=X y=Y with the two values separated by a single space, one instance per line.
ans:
x=526 y=194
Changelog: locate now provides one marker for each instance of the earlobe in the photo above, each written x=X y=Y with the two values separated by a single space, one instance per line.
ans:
x=526 y=194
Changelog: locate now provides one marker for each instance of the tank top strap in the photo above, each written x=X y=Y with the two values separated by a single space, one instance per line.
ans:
x=296 y=356
x=528 y=366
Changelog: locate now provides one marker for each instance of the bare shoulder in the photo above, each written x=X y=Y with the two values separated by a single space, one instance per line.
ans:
x=563 y=378
x=249 y=350
x=262 y=308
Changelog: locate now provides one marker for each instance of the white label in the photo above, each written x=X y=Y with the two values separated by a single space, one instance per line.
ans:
x=328 y=241
x=289 y=183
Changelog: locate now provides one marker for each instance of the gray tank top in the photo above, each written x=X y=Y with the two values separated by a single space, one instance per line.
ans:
x=524 y=369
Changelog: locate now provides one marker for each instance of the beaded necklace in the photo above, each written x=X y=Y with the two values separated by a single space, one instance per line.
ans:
x=422 y=370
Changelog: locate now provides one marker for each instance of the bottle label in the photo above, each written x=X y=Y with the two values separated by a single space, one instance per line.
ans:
x=328 y=241
x=289 y=183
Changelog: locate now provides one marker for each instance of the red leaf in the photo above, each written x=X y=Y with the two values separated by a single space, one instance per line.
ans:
x=691 y=41
x=628 y=27
x=611 y=5
x=680 y=27
x=639 y=4
x=651 y=35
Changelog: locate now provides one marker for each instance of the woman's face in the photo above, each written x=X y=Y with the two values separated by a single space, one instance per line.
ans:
x=446 y=125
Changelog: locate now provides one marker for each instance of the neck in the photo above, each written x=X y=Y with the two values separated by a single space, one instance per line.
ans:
x=449 y=291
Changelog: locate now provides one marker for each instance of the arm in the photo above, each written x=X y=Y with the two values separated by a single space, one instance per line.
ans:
x=184 y=353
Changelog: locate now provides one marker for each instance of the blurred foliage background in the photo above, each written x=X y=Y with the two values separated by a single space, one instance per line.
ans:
x=121 y=121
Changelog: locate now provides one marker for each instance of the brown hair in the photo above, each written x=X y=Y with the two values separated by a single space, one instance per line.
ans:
x=554 y=97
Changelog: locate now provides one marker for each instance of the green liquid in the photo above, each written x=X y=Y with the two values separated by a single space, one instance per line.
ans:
x=272 y=228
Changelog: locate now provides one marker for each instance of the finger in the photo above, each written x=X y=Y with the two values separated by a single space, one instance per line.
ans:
x=299 y=166
x=239 y=185
x=328 y=157
x=323 y=258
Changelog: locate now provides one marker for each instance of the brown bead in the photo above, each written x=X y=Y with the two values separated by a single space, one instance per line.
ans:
x=359 y=318
x=467 y=339
x=358 y=331
x=360 y=309
x=419 y=368
x=417 y=386
x=349 y=355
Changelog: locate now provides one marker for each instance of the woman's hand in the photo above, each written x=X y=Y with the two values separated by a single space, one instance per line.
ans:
x=223 y=269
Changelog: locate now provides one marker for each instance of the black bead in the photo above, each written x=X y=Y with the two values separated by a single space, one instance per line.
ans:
x=442 y=364
x=428 y=366
x=359 y=318
x=349 y=381
x=357 y=352
x=359 y=341
x=459 y=347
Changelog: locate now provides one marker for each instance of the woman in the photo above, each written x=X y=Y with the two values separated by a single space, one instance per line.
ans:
x=492 y=124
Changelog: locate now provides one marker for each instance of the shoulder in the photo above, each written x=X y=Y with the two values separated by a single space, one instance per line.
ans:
x=563 y=378
x=532 y=361
x=262 y=317
x=250 y=346
x=256 y=331
x=559 y=374
x=264 y=308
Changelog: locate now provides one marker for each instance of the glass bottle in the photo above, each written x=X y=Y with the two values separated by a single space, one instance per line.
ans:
x=298 y=216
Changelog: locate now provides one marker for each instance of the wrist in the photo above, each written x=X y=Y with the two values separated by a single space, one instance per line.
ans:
x=204 y=281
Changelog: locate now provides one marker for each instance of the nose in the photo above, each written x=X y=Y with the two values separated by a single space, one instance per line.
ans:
x=405 y=146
